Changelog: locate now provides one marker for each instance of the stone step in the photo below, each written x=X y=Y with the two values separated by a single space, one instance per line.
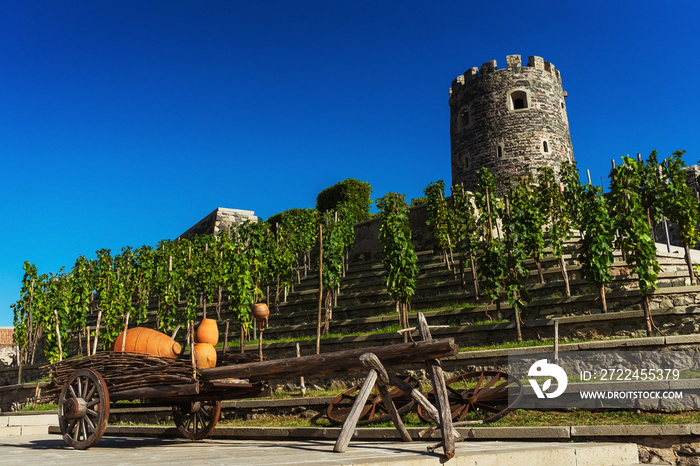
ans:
x=14 y=424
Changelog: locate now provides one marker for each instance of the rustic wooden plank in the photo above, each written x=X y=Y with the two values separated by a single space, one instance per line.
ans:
x=156 y=391
x=440 y=389
x=351 y=421
x=371 y=361
x=336 y=362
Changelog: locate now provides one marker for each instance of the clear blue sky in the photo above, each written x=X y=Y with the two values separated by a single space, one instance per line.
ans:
x=125 y=122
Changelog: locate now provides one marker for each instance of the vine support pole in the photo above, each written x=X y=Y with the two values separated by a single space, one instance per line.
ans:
x=689 y=262
x=647 y=314
x=225 y=338
x=126 y=329
x=556 y=340
x=58 y=335
x=260 y=344
x=97 y=332
x=601 y=292
x=320 y=288
x=475 y=277
x=302 y=385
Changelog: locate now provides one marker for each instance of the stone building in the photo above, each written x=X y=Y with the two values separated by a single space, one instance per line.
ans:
x=509 y=120
x=221 y=219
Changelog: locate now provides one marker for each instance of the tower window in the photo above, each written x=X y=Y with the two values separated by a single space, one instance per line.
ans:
x=463 y=118
x=499 y=151
x=518 y=100
x=545 y=146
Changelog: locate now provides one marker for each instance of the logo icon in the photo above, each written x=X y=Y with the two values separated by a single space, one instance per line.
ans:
x=542 y=368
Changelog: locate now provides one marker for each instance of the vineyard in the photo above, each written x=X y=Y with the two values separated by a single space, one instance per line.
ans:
x=498 y=254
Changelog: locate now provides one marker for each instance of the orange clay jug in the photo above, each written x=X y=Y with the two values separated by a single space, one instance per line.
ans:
x=207 y=332
x=205 y=355
x=145 y=340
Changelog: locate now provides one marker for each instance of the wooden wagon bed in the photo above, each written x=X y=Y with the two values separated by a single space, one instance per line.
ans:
x=89 y=384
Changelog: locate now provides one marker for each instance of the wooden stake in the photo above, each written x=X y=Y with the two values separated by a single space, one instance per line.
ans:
x=260 y=339
x=320 y=288
x=301 y=379
x=58 y=335
x=565 y=275
x=488 y=208
x=97 y=332
x=440 y=390
x=190 y=337
x=126 y=329
x=371 y=361
x=556 y=340
x=647 y=314
x=19 y=363
x=225 y=338
x=88 y=341
x=601 y=292
x=351 y=421
x=475 y=277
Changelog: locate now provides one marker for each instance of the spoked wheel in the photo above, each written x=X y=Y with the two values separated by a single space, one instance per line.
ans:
x=83 y=409
x=479 y=396
x=375 y=409
x=197 y=419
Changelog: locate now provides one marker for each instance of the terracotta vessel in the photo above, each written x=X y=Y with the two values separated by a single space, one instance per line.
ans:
x=207 y=332
x=260 y=312
x=205 y=355
x=145 y=340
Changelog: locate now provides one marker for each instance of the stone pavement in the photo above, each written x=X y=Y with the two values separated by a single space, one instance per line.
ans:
x=46 y=450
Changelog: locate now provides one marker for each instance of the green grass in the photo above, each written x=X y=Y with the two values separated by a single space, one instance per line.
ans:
x=41 y=407
x=389 y=329
x=518 y=418
x=523 y=418
x=510 y=344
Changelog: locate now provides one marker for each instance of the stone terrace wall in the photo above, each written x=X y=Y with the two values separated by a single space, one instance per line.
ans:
x=367 y=234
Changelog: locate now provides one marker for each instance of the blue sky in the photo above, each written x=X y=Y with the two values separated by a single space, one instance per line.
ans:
x=125 y=122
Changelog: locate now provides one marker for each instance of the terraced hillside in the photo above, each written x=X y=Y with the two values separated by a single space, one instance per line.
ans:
x=365 y=314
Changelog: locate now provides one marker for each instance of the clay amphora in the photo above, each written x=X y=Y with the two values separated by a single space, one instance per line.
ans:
x=145 y=340
x=207 y=332
x=205 y=355
x=260 y=312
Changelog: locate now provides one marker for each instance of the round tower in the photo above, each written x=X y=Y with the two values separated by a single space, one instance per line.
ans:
x=509 y=120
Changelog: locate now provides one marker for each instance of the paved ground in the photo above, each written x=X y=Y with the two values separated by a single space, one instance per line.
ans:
x=45 y=450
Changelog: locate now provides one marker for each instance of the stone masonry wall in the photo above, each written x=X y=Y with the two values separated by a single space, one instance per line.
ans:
x=219 y=220
x=509 y=120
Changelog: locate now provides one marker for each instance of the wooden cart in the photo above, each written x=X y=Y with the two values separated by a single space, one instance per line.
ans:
x=91 y=384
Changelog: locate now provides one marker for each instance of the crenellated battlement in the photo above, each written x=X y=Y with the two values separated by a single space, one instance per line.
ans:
x=513 y=65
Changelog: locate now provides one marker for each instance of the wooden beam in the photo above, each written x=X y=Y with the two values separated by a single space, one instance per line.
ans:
x=155 y=391
x=371 y=361
x=336 y=362
x=351 y=421
x=441 y=397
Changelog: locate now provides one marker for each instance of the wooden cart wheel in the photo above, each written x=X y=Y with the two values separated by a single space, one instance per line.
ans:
x=197 y=419
x=374 y=410
x=479 y=396
x=83 y=409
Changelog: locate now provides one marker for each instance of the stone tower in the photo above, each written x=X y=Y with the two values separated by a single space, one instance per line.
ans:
x=509 y=120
